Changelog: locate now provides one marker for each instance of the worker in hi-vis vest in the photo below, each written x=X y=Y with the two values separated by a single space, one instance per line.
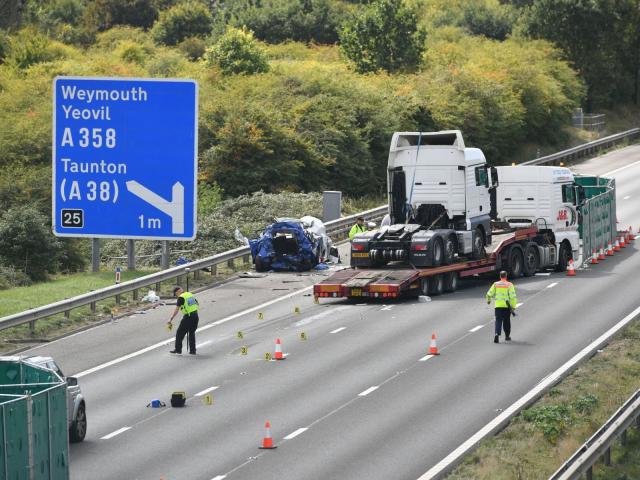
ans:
x=504 y=294
x=359 y=227
x=188 y=306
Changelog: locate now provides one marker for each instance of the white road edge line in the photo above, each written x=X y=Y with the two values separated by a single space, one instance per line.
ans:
x=627 y=197
x=219 y=477
x=368 y=391
x=113 y=434
x=203 y=344
x=552 y=285
x=475 y=329
x=296 y=433
x=206 y=390
x=337 y=330
x=425 y=358
x=611 y=172
x=543 y=274
x=201 y=329
x=518 y=305
x=453 y=458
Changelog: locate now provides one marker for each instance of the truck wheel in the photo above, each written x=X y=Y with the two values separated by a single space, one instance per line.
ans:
x=479 y=251
x=436 y=285
x=516 y=262
x=563 y=257
x=438 y=251
x=260 y=265
x=449 y=250
x=424 y=286
x=450 y=282
x=531 y=259
x=78 y=428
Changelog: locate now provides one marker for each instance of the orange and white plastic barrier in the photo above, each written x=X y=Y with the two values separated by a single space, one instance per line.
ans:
x=571 y=271
x=433 y=348
x=267 y=441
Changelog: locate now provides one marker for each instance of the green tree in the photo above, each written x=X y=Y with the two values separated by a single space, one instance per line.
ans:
x=27 y=244
x=583 y=29
x=184 y=20
x=104 y=14
x=489 y=20
x=237 y=52
x=385 y=35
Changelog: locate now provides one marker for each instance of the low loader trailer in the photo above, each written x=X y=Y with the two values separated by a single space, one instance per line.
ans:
x=517 y=252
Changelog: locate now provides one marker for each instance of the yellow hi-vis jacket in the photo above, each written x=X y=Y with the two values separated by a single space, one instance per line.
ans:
x=504 y=293
x=190 y=304
x=356 y=229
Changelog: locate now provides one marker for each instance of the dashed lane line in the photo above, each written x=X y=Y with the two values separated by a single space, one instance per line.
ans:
x=338 y=330
x=113 y=434
x=368 y=391
x=207 y=390
x=475 y=329
x=296 y=433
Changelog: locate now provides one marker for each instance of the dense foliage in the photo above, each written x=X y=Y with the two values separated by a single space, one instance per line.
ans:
x=303 y=95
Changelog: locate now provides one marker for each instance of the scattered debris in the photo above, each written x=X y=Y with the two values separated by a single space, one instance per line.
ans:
x=424 y=299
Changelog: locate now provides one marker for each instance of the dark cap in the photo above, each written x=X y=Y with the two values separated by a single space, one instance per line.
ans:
x=503 y=274
x=175 y=289
x=360 y=218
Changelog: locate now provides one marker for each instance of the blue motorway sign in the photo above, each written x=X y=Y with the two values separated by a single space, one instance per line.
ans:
x=125 y=158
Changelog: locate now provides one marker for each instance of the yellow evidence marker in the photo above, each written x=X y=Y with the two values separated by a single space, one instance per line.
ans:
x=303 y=336
x=267 y=356
x=244 y=350
x=208 y=399
x=260 y=316
x=240 y=335
x=297 y=310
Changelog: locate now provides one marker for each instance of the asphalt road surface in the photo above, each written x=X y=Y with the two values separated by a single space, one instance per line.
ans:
x=359 y=398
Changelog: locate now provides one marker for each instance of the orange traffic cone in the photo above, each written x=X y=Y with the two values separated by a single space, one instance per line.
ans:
x=267 y=441
x=609 y=250
x=433 y=349
x=616 y=246
x=630 y=236
x=601 y=254
x=278 y=355
x=623 y=243
x=594 y=257
x=571 y=272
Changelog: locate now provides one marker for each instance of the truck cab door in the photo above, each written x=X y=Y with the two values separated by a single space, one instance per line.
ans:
x=480 y=198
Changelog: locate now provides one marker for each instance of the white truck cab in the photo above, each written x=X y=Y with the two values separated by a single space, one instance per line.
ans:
x=546 y=197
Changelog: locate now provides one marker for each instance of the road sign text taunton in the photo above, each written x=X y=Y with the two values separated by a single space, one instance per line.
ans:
x=124 y=158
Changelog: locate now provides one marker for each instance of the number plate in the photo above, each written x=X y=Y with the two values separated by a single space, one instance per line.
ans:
x=72 y=217
x=359 y=255
x=356 y=292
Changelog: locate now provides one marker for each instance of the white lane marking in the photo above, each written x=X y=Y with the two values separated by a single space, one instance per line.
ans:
x=203 y=344
x=219 y=477
x=337 y=330
x=368 y=391
x=475 y=329
x=519 y=304
x=296 y=433
x=388 y=307
x=525 y=400
x=543 y=274
x=611 y=172
x=552 y=285
x=207 y=390
x=627 y=197
x=425 y=358
x=317 y=316
x=201 y=329
x=113 y=434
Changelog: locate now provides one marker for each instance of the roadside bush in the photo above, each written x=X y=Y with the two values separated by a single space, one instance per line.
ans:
x=551 y=420
x=193 y=48
x=131 y=52
x=184 y=20
x=27 y=243
x=29 y=47
x=10 y=278
x=585 y=404
x=236 y=52
x=103 y=14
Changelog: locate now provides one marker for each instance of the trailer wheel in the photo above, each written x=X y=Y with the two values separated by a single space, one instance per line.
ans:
x=436 y=285
x=438 y=251
x=563 y=257
x=449 y=250
x=261 y=265
x=516 y=261
x=479 y=250
x=531 y=259
x=424 y=286
x=450 y=282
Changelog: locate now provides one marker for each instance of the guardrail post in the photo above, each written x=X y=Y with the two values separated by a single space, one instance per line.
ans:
x=117 y=299
x=638 y=421
x=67 y=313
x=214 y=270
x=95 y=254
x=164 y=261
x=623 y=438
x=158 y=288
x=93 y=307
x=196 y=275
x=230 y=264
x=135 y=294
x=607 y=457
x=245 y=259
x=32 y=327
x=131 y=254
x=589 y=474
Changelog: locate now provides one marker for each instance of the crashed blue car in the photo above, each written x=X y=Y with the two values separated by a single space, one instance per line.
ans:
x=289 y=245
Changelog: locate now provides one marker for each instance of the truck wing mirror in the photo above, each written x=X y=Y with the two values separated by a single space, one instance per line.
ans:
x=72 y=381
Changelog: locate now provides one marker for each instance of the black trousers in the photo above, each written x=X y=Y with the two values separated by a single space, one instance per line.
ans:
x=188 y=324
x=503 y=317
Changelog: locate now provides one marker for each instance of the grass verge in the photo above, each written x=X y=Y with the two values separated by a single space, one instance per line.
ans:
x=542 y=437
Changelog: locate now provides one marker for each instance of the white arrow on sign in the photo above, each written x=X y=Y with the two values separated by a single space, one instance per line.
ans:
x=174 y=208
